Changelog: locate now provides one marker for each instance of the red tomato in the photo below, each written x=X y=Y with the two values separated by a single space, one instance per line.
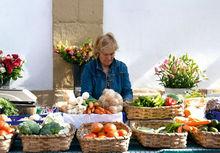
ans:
x=170 y=101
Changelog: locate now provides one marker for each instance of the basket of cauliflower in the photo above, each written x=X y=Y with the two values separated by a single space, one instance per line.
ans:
x=52 y=135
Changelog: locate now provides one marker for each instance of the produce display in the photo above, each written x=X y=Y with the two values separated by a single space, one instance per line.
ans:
x=99 y=130
x=94 y=107
x=111 y=101
x=158 y=100
x=52 y=124
x=7 y=108
x=73 y=105
x=5 y=129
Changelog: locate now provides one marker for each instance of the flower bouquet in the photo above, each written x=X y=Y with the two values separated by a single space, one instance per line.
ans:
x=10 y=67
x=179 y=72
x=75 y=54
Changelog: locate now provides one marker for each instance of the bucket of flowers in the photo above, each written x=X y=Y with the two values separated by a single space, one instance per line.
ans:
x=179 y=73
x=77 y=56
x=10 y=68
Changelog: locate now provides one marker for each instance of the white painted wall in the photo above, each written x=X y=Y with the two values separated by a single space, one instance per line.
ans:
x=26 y=29
x=148 y=30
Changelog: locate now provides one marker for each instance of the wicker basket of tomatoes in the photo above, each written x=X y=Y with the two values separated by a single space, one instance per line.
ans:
x=154 y=107
x=104 y=137
x=6 y=134
x=159 y=134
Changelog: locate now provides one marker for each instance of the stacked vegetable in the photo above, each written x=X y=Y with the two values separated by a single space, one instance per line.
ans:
x=53 y=124
x=5 y=129
x=101 y=131
x=7 y=108
x=157 y=101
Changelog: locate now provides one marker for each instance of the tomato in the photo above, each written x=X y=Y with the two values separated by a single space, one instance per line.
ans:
x=3 y=133
x=112 y=134
x=170 y=101
x=122 y=132
x=96 y=127
x=109 y=127
x=90 y=136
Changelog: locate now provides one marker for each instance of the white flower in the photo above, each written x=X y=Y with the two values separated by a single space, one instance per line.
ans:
x=85 y=95
x=2 y=70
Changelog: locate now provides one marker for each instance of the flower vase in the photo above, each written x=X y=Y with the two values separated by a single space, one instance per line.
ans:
x=77 y=71
x=5 y=84
x=181 y=91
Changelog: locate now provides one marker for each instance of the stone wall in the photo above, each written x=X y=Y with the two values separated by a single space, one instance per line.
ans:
x=73 y=20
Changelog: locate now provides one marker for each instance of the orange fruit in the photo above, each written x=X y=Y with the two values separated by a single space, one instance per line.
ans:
x=96 y=127
x=122 y=132
x=109 y=127
x=112 y=134
x=90 y=136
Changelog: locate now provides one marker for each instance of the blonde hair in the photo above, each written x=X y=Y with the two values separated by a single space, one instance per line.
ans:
x=105 y=41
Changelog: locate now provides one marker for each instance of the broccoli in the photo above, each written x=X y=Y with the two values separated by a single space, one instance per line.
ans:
x=29 y=127
x=51 y=128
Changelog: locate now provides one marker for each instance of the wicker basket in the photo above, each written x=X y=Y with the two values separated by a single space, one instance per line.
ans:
x=207 y=139
x=115 y=144
x=158 y=140
x=39 y=143
x=5 y=143
x=163 y=112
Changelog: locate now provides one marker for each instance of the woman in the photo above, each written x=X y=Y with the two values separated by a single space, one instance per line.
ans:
x=105 y=71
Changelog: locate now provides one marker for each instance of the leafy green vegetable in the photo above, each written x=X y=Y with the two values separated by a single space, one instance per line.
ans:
x=172 y=127
x=7 y=107
x=149 y=101
x=51 y=128
x=29 y=127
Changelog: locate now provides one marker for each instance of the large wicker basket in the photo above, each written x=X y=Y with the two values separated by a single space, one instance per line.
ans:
x=207 y=139
x=39 y=143
x=5 y=143
x=163 y=112
x=115 y=144
x=158 y=140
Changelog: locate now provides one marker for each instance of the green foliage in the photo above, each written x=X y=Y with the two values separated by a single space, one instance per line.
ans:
x=7 y=107
x=51 y=128
x=179 y=72
x=149 y=101
x=29 y=127
x=194 y=94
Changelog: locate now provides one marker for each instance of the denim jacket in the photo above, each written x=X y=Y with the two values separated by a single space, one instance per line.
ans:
x=94 y=80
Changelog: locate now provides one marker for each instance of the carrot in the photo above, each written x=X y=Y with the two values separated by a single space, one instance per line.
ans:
x=180 y=129
x=90 y=105
x=100 y=108
x=197 y=123
x=187 y=112
x=108 y=112
x=187 y=128
x=97 y=111
x=89 y=111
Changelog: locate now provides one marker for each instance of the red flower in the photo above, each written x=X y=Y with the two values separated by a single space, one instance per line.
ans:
x=15 y=56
